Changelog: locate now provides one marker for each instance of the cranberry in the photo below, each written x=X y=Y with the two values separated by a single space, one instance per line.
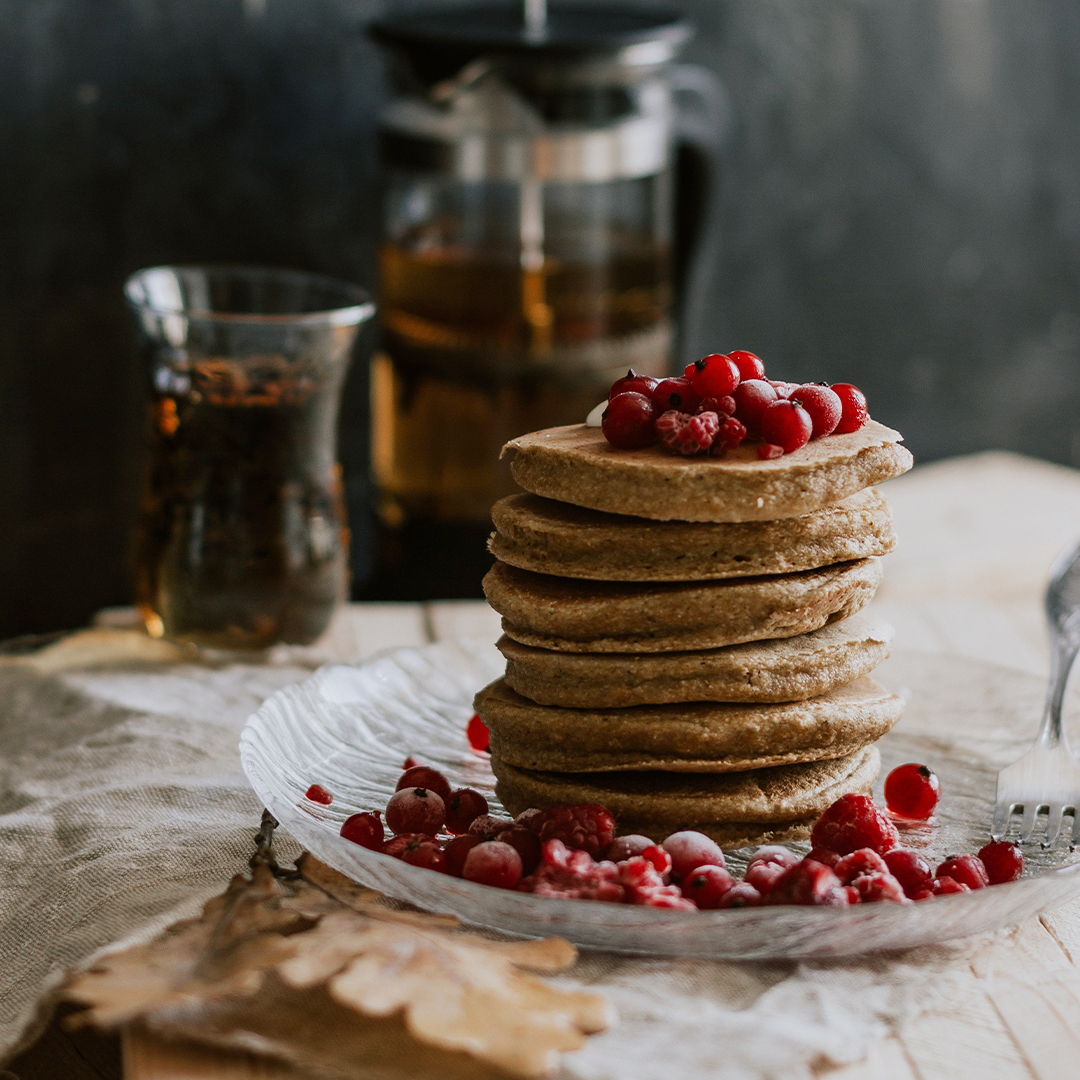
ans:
x=495 y=864
x=752 y=398
x=426 y=777
x=586 y=826
x=768 y=451
x=909 y=868
x=396 y=846
x=854 y=822
x=487 y=826
x=706 y=886
x=776 y=854
x=873 y=888
x=318 y=794
x=787 y=424
x=457 y=850
x=724 y=406
x=689 y=850
x=749 y=365
x=912 y=791
x=415 y=810
x=1003 y=860
x=627 y=422
x=632 y=383
x=858 y=863
x=729 y=437
x=686 y=434
x=364 y=829
x=853 y=407
x=463 y=807
x=626 y=847
x=764 y=875
x=823 y=405
x=966 y=869
x=478 y=734
x=741 y=894
x=945 y=885
x=675 y=394
x=425 y=853
x=810 y=883
x=525 y=843
x=714 y=375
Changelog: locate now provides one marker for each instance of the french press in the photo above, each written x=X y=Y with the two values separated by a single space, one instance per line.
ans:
x=528 y=255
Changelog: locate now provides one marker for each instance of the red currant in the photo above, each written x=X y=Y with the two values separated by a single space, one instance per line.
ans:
x=532 y=819
x=912 y=791
x=675 y=394
x=632 y=383
x=364 y=829
x=525 y=843
x=627 y=422
x=456 y=851
x=463 y=807
x=768 y=451
x=487 y=826
x=410 y=762
x=425 y=853
x=783 y=389
x=707 y=886
x=318 y=794
x=742 y=894
x=478 y=734
x=426 y=777
x=1004 y=861
x=749 y=365
x=495 y=864
x=776 y=854
x=853 y=406
x=764 y=875
x=751 y=399
x=689 y=850
x=854 y=822
x=944 y=885
x=626 y=847
x=415 y=810
x=787 y=424
x=966 y=869
x=713 y=376
x=396 y=846
x=810 y=883
x=823 y=405
x=909 y=868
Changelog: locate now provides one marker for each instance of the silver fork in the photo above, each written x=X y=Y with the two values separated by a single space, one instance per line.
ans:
x=1048 y=776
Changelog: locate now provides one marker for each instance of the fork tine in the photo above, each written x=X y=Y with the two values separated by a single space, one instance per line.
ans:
x=1027 y=823
x=1002 y=812
x=1053 y=822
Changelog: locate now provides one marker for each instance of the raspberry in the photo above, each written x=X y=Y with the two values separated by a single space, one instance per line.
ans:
x=626 y=847
x=573 y=875
x=687 y=434
x=944 y=885
x=853 y=408
x=752 y=398
x=396 y=845
x=858 y=863
x=873 y=888
x=786 y=424
x=675 y=394
x=707 y=886
x=463 y=807
x=487 y=826
x=854 y=822
x=821 y=855
x=966 y=869
x=749 y=365
x=364 y=829
x=741 y=894
x=724 y=406
x=810 y=883
x=909 y=868
x=643 y=885
x=912 y=791
x=852 y=894
x=776 y=854
x=713 y=376
x=495 y=864
x=1004 y=861
x=729 y=437
x=586 y=827
x=823 y=405
x=525 y=843
x=689 y=850
x=627 y=422
x=660 y=860
x=478 y=734
x=764 y=875
x=415 y=810
x=767 y=451
x=425 y=853
x=318 y=794
x=457 y=850
x=423 y=776
x=632 y=383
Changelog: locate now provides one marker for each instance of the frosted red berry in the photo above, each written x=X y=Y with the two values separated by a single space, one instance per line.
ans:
x=823 y=855
x=714 y=375
x=764 y=875
x=749 y=365
x=787 y=424
x=477 y=733
x=729 y=437
x=463 y=807
x=364 y=829
x=686 y=434
x=909 y=868
x=396 y=845
x=853 y=822
x=741 y=895
x=425 y=853
x=675 y=394
x=495 y=864
x=318 y=794
x=874 y=888
x=457 y=850
x=488 y=826
x=808 y=883
x=626 y=847
x=724 y=406
x=632 y=383
x=426 y=777
x=858 y=863
x=774 y=853
x=769 y=451
x=415 y=810
x=783 y=389
x=706 y=886
x=530 y=818
x=853 y=408
x=1003 y=861
x=627 y=422
x=912 y=791
x=942 y=886
x=689 y=850
x=586 y=826
x=752 y=398
x=966 y=869
x=823 y=405
x=525 y=843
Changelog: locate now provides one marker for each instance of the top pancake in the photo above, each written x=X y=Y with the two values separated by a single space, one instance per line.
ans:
x=576 y=464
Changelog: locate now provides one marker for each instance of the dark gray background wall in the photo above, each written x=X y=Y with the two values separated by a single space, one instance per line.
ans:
x=901 y=208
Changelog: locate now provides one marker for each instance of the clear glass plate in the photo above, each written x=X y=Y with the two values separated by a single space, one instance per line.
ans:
x=350 y=729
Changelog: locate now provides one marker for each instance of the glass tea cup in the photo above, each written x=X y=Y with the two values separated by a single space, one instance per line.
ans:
x=243 y=540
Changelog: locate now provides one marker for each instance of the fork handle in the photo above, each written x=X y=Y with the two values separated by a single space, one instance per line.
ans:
x=1066 y=645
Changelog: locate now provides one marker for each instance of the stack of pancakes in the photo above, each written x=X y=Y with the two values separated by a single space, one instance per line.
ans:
x=682 y=636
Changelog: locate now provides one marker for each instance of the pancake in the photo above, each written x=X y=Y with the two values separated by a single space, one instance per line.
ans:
x=695 y=737
x=736 y=809
x=570 y=615
x=576 y=464
x=533 y=533
x=785 y=669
